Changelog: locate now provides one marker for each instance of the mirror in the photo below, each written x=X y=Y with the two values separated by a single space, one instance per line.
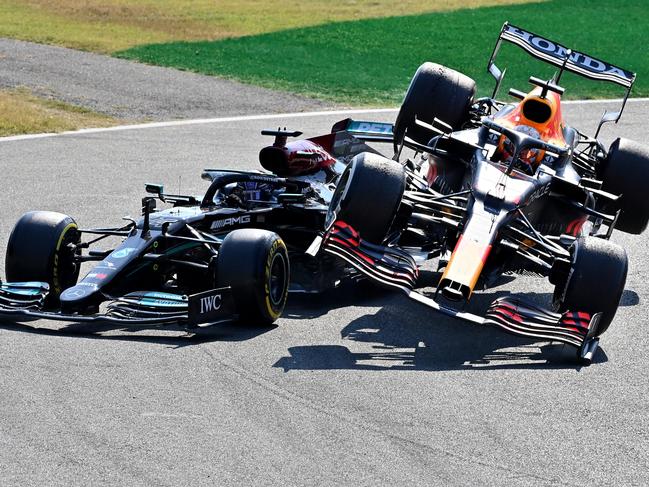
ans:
x=156 y=189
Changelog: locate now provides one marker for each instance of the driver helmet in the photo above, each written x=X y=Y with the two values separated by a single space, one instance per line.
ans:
x=528 y=160
x=537 y=116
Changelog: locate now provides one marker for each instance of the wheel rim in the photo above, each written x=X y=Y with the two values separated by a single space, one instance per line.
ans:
x=67 y=267
x=277 y=279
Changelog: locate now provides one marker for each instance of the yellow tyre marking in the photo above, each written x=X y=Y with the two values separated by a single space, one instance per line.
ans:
x=55 y=270
x=269 y=261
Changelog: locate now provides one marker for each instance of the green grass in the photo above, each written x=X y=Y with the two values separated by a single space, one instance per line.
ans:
x=370 y=62
x=21 y=112
x=112 y=25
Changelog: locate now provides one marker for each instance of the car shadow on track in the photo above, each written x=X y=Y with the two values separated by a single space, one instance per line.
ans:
x=404 y=335
x=309 y=306
x=399 y=324
x=170 y=335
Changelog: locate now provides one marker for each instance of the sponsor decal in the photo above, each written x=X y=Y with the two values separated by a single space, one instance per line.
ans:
x=156 y=299
x=97 y=275
x=371 y=127
x=88 y=284
x=556 y=53
x=210 y=306
x=122 y=253
x=210 y=303
x=264 y=179
x=161 y=302
x=228 y=222
x=168 y=296
x=74 y=293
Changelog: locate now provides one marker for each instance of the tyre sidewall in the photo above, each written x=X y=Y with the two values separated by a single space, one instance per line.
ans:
x=596 y=280
x=434 y=91
x=245 y=263
x=38 y=251
x=372 y=195
x=625 y=173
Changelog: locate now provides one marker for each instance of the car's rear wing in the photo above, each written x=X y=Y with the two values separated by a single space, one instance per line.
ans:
x=367 y=131
x=565 y=59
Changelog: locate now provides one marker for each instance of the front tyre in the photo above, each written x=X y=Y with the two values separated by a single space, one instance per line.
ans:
x=596 y=280
x=435 y=91
x=41 y=248
x=254 y=263
x=368 y=195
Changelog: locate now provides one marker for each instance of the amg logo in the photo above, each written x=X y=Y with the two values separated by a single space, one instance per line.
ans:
x=558 y=51
x=235 y=220
x=210 y=303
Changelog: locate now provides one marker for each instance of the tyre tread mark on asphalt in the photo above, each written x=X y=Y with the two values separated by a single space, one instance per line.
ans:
x=292 y=396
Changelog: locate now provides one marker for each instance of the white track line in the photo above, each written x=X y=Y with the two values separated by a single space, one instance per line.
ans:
x=197 y=121
x=244 y=118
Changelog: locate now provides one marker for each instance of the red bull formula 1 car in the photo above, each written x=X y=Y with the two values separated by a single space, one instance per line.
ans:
x=489 y=188
x=498 y=188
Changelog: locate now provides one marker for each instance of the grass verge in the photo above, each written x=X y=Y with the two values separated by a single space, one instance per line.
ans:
x=111 y=25
x=23 y=113
x=370 y=62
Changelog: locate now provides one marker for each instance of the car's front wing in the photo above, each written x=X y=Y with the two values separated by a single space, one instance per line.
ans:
x=28 y=300
x=392 y=268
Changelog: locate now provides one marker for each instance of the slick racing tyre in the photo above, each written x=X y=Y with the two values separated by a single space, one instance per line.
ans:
x=254 y=263
x=434 y=92
x=368 y=196
x=626 y=173
x=39 y=250
x=596 y=280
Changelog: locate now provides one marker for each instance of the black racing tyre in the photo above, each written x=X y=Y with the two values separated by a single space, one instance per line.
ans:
x=626 y=173
x=434 y=91
x=596 y=280
x=254 y=263
x=368 y=195
x=39 y=250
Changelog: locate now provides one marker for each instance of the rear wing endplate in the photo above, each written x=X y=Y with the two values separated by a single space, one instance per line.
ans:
x=565 y=59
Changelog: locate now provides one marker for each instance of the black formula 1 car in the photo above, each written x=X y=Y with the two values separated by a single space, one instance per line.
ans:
x=489 y=188
x=222 y=257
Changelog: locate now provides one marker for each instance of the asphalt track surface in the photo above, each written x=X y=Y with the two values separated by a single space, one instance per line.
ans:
x=348 y=389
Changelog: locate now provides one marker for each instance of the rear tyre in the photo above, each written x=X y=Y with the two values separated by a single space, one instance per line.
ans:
x=626 y=173
x=39 y=250
x=435 y=91
x=368 y=195
x=254 y=263
x=596 y=280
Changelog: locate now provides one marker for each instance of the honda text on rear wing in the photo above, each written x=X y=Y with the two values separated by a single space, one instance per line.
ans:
x=566 y=60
